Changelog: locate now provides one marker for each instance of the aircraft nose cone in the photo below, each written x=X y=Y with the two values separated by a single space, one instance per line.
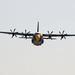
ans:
x=37 y=37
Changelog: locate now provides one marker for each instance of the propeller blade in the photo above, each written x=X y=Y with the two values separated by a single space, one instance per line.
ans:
x=25 y=36
x=51 y=32
x=63 y=32
x=48 y=32
x=28 y=32
x=59 y=32
x=10 y=30
x=14 y=30
x=12 y=36
x=25 y=31
x=61 y=38
x=62 y=35
x=13 y=33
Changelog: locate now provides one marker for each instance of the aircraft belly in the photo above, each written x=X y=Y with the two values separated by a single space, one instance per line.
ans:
x=37 y=43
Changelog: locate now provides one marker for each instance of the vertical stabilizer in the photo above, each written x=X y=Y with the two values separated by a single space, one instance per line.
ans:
x=38 y=26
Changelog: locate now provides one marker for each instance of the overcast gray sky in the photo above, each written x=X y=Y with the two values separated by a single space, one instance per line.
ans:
x=20 y=56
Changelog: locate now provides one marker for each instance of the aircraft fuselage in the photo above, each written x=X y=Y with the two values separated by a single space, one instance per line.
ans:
x=37 y=39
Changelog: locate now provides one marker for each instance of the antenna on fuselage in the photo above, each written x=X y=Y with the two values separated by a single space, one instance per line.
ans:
x=38 y=26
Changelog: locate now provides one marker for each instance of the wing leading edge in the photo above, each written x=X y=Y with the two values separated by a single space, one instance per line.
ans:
x=45 y=36
x=50 y=36
x=17 y=33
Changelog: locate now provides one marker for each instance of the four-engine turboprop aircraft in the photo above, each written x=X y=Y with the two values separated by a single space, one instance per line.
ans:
x=37 y=38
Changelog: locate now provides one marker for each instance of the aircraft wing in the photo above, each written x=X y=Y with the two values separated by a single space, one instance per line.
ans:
x=24 y=35
x=50 y=36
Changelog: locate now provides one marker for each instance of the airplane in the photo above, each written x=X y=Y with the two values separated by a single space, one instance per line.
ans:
x=37 y=38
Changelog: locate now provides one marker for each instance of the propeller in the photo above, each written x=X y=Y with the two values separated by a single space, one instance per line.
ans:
x=13 y=33
x=26 y=33
x=50 y=34
x=62 y=35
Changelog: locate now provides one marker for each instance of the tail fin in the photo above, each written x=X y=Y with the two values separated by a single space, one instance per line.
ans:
x=38 y=26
